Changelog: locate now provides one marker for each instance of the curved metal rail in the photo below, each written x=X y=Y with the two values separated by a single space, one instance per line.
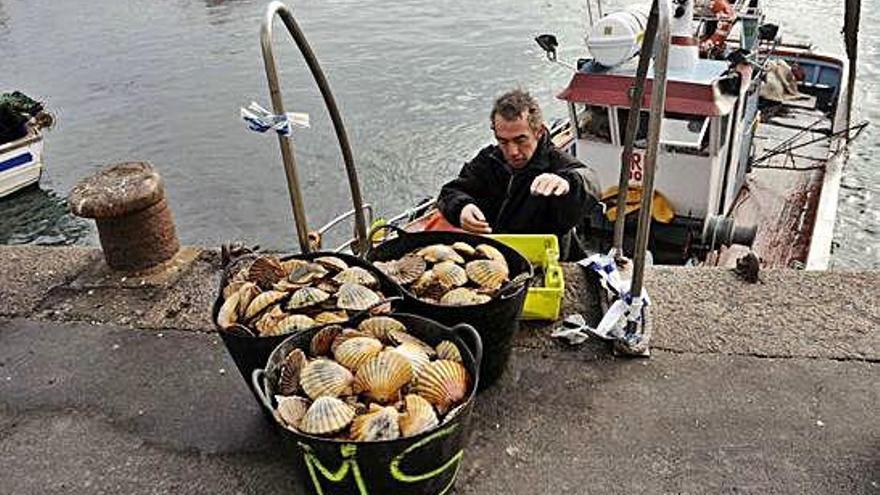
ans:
x=286 y=144
x=658 y=106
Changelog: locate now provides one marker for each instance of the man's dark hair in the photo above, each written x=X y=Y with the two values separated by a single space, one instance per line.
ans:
x=511 y=106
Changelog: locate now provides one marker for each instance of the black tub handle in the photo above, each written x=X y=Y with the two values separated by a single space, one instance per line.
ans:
x=471 y=339
x=510 y=289
x=378 y=228
x=258 y=382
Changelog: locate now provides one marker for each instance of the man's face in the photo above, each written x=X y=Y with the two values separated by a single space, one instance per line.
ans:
x=516 y=139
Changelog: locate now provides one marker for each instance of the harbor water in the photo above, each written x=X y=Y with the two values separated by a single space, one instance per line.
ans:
x=163 y=80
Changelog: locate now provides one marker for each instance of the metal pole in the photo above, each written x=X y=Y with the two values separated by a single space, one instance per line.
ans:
x=658 y=104
x=851 y=37
x=590 y=11
x=636 y=92
x=286 y=144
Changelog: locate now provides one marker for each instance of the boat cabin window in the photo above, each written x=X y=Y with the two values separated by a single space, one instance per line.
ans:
x=680 y=133
x=686 y=133
x=593 y=122
x=641 y=137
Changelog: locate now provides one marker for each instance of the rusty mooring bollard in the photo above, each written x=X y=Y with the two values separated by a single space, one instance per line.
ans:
x=127 y=201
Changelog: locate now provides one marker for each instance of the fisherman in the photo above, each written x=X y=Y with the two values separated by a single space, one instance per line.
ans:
x=524 y=184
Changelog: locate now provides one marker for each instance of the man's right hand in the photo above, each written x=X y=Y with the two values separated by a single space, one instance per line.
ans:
x=473 y=220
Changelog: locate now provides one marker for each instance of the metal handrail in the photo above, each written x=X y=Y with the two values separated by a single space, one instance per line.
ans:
x=332 y=223
x=658 y=106
x=286 y=143
x=637 y=91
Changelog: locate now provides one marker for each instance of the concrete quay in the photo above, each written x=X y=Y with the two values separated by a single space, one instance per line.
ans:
x=112 y=384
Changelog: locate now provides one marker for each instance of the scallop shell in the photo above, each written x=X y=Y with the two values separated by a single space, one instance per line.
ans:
x=356 y=275
x=418 y=416
x=323 y=339
x=404 y=271
x=378 y=326
x=286 y=286
x=289 y=372
x=356 y=297
x=443 y=383
x=265 y=271
x=331 y=263
x=231 y=288
x=436 y=253
x=263 y=301
x=487 y=273
x=449 y=351
x=331 y=317
x=482 y=298
x=325 y=377
x=449 y=274
x=382 y=377
x=464 y=248
x=414 y=353
x=353 y=401
x=327 y=286
x=293 y=323
x=292 y=264
x=462 y=296
x=378 y=424
x=347 y=333
x=305 y=297
x=267 y=324
x=304 y=274
x=356 y=351
x=228 y=314
x=430 y=286
x=325 y=416
x=290 y=410
x=492 y=253
x=247 y=293
x=399 y=337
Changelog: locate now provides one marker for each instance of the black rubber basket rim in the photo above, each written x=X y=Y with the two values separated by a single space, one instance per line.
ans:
x=259 y=378
x=506 y=291
x=392 y=299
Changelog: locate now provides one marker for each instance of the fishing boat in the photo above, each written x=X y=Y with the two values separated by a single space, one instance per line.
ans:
x=21 y=145
x=752 y=142
x=21 y=163
x=749 y=154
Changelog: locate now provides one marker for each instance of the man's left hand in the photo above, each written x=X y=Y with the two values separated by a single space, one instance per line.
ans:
x=549 y=185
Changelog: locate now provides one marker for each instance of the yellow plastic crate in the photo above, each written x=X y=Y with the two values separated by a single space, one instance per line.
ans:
x=542 y=303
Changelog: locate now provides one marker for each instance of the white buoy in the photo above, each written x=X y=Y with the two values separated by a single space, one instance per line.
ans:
x=617 y=37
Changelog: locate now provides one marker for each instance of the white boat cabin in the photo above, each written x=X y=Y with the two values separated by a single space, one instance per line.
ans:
x=699 y=167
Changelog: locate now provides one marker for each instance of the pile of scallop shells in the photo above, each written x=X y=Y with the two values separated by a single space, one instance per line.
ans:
x=451 y=275
x=273 y=297
x=376 y=382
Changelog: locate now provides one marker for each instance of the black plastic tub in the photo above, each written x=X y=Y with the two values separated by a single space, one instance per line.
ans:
x=424 y=464
x=496 y=321
x=250 y=353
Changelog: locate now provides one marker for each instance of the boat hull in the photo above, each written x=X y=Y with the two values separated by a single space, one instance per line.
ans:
x=21 y=164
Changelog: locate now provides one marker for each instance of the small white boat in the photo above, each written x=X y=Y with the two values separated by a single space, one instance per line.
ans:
x=21 y=161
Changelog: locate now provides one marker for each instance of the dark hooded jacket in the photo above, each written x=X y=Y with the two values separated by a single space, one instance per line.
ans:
x=504 y=194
